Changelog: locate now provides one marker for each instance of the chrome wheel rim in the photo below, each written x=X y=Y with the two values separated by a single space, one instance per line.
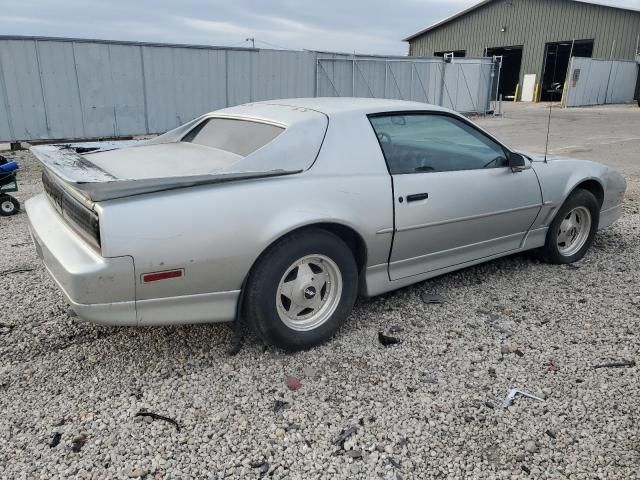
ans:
x=574 y=231
x=309 y=292
x=7 y=206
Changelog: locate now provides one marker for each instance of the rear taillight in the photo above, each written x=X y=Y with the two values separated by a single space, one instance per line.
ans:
x=83 y=220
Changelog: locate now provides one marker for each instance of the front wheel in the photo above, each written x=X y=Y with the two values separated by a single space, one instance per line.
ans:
x=301 y=290
x=573 y=229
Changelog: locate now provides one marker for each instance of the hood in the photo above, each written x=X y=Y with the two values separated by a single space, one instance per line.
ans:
x=539 y=157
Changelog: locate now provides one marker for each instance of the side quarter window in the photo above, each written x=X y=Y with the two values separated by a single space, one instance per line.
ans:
x=422 y=143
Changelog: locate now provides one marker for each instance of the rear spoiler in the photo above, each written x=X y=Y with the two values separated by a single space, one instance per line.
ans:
x=95 y=184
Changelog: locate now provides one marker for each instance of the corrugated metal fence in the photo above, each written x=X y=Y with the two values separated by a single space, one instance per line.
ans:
x=592 y=81
x=69 y=88
x=463 y=85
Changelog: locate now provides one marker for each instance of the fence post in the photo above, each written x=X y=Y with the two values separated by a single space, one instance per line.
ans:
x=442 y=85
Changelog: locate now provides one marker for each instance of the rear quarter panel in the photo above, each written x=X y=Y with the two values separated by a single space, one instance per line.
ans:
x=216 y=233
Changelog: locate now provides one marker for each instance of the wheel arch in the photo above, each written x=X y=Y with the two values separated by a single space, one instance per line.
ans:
x=348 y=234
x=591 y=185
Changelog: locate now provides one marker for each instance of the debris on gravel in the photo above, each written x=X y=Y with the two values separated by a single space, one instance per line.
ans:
x=344 y=435
x=431 y=298
x=55 y=440
x=388 y=340
x=513 y=393
x=620 y=364
x=148 y=417
x=279 y=405
x=293 y=383
x=78 y=442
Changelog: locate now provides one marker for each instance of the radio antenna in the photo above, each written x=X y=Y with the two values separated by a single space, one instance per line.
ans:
x=546 y=146
x=553 y=90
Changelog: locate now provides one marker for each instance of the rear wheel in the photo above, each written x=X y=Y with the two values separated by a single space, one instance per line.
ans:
x=572 y=231
x=301 y=290
x=8 y=205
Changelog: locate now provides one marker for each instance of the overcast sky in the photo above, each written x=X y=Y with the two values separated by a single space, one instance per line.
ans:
x=374 y=26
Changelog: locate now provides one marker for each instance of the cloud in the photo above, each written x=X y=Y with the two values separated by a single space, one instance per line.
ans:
x=375 y=26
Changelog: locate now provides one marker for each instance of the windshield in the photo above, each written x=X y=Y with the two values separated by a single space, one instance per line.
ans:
x=241 y=137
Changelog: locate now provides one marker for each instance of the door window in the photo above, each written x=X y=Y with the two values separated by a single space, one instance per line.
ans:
x=422 y=143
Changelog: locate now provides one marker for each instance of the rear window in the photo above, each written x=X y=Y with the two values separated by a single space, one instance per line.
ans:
x=241 y=137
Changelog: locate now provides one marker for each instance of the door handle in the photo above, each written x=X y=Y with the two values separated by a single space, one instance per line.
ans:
x=417 y=197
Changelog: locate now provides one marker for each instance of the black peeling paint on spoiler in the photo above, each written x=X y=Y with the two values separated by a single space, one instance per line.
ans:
x=97 y=185
x=70 y=166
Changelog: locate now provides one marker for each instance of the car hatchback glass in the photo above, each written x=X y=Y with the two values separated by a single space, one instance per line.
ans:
x=242 y=137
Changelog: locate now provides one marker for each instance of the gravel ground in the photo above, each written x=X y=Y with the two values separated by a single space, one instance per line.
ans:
x=428 y=407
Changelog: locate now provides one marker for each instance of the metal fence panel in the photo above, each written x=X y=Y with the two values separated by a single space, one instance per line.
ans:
x=463 y=85
x=60 y=89
x=5 y=126
x=426 y=81
x=179 y=84
x=593 y=81
x=398 y=80
x=23 y=89
x=335 y=78
x=282 y=74
x=371 y=79
x=111 y=89
x=128 y=90
x=239 y=77
x=70 y=88
x=622 y=85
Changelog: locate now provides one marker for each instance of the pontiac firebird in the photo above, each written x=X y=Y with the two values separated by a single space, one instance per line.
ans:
x=282 y=212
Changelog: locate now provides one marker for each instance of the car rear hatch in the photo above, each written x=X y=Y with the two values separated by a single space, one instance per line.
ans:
x=237 y=144
x=94 y=183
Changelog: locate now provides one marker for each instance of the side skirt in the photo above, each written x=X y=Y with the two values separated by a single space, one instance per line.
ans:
x=377 y=279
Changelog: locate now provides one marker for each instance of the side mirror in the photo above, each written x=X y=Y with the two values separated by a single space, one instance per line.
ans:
x=518 y=162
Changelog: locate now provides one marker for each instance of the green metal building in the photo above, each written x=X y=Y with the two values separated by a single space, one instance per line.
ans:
x=533 y=38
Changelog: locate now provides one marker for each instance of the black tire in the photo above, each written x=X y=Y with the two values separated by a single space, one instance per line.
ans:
x=260 y=306
x=579 y=198
x=8 y=205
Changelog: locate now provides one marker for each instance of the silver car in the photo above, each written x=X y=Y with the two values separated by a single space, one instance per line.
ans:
x=282 y=212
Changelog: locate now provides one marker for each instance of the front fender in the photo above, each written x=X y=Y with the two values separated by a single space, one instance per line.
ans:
x=559 y=177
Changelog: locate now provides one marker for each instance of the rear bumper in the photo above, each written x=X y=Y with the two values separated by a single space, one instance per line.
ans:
x=100 y=290
x=610 y=216
x=186 y=309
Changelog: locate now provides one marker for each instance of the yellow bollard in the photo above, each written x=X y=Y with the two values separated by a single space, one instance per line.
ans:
x=515 y=98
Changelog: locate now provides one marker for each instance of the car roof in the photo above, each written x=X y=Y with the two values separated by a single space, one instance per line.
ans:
x=340 y=105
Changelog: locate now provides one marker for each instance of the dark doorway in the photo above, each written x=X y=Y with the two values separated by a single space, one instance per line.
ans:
x=510 y=70
x=456 y=53
x=556 y=63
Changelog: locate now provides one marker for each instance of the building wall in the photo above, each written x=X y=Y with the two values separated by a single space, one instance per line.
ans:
x=532 y=24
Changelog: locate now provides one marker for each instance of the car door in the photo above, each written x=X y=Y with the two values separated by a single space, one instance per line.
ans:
x=456 y=198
